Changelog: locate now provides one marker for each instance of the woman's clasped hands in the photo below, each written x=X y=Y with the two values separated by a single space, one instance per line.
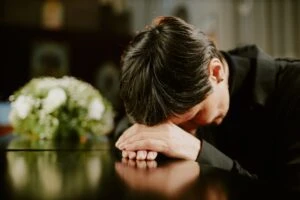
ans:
x=143 y=142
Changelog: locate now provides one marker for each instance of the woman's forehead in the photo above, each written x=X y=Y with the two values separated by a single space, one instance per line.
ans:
x=178 y=119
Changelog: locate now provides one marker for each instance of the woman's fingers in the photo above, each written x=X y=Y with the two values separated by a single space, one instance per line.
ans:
x=129 y=154
x=141 y=155
x=132 y=155
x=125 y=154
x=151 y=155
x=146 y=155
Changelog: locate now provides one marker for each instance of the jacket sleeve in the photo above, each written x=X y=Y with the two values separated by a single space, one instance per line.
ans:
x=290 y=145
x=288 y=118
x=212 y=156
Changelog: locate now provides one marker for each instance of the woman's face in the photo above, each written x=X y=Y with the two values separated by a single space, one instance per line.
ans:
x=211 y=110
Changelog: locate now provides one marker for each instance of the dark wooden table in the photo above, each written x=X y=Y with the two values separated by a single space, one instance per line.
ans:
x=95 y=170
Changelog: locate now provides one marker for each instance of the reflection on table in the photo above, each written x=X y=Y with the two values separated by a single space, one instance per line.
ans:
x=171 y=179
x=95 y=170
x=48 y=175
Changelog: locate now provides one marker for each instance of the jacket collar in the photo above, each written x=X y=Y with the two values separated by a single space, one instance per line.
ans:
x=249 y=63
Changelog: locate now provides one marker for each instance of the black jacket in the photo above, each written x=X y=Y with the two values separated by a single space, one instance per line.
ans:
x=261 y=131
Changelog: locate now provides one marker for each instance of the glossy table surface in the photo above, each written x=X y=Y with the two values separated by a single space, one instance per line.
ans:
x=94 y=169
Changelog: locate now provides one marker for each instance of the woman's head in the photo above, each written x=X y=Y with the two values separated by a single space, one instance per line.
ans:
x=165 y=71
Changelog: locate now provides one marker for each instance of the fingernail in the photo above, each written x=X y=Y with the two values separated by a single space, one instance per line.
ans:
x=132 y=155
x=151 y=156
x=140 y=155
x=124 y=154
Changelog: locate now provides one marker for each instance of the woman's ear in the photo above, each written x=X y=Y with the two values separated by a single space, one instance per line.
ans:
x=216 y=70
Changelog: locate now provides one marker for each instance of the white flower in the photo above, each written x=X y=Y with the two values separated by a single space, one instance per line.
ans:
x=23 y=106
x=55 y=98
x=96 y=109
x=13 y=117
x=46 y=84
x=36 y=109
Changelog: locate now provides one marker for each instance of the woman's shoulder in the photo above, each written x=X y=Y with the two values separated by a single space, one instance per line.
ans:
x=249 y=51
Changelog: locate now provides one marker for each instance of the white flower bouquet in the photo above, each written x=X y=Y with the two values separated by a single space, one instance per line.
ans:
x=58 y=108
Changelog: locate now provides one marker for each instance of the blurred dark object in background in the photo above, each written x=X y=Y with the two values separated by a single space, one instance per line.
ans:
x=49 y=59
x=182 y=12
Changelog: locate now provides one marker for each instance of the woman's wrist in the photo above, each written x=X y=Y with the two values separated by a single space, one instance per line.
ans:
x=197 y=149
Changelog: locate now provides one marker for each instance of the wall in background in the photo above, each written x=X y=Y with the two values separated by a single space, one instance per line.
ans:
x=271 y=24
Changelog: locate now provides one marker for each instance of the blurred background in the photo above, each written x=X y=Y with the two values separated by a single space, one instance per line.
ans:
x=85 y=38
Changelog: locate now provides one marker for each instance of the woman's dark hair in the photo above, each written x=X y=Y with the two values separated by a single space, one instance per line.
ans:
x=165 y=70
